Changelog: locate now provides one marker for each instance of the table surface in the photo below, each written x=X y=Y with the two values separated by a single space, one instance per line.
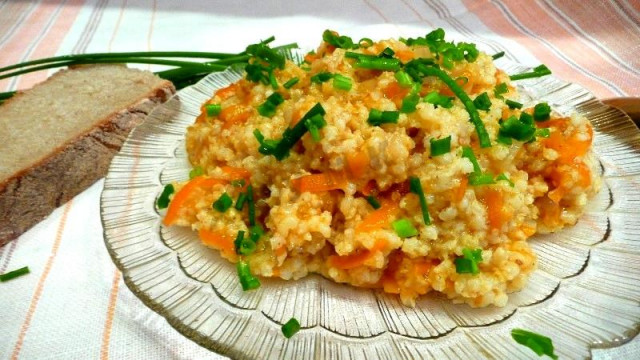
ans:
x=74 y=304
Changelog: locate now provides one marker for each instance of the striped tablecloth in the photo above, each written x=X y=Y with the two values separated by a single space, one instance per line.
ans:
x=74 y=304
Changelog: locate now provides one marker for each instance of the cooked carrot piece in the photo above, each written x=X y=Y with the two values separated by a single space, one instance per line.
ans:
x=458 y=193
x=227 y=92
x=332 y=180
x=182 y=196
x=378 y=219
x=236 y=173
x=234 y=114
x=358 y=163
x=496 y=214
x=368 y=188
x=405 y=55
x=395 y=92
x=355 y=260
x=218 y=240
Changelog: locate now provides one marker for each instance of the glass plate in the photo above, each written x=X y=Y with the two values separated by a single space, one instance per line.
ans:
x=585 y=293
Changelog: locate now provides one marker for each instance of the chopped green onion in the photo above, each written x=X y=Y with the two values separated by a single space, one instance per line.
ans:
x=266 y=54
x=14 y=274
x=482 y=102
x=377 y=63
x=321 y=77
x=367 y=42
x=247 y=247
x=314 y=124
x=477 y=179
x=247 y=280
x=252 y=206
x=498 y=55
x=387 y=53
x=343 y=42
x=377 y=117
x=163 y=200
x=280 y=148
x=272 y=80
x=416 y=187
x=290 y=83
x=404 y=80
x=503 y=177
x=238 y=183
x=500 y=90
x=483 y=136
x=341 y=82
x=503 y=139
x=195 y=172
x=439 y=100
x=538 y=71
x=545 y=133
x=268 y=108
x=409 y=103
x=213 y=109
x=468 y=153
x=223 y=203
x=237 y=243
x=404 y=228
x=255 y=232
x=290 y=328
x=373 y=202
x=540 y=344
x=541 y=112
x=519 y=129
x=513 y=104
x=440 y=146
x=242 y=198
x=468 y=262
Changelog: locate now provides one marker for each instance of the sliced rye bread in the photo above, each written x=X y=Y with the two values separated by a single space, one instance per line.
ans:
x=59 y=137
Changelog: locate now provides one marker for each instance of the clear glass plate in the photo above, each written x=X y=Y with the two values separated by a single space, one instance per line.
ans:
x=585 y=293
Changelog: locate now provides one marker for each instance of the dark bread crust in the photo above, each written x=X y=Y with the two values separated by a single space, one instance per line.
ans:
x=33 y=193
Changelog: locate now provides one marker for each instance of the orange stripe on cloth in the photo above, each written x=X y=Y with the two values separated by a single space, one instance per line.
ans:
x=498 y=19
x=40 y=285
x=111 y=310
x=51 y=41
x=547 y=25
x=30 y=30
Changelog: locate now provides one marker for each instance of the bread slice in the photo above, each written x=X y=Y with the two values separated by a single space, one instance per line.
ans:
x=59 y=137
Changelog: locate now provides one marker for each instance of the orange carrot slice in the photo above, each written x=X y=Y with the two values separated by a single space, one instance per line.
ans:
x=236 y=173
x=182 y=196
x=234 y=114
x=358 y=163
x=405 y=55
x=218 y=240
x=378 y=219
x=332 y=180
x=494 y=201
x=355 y=260
x=227 y=92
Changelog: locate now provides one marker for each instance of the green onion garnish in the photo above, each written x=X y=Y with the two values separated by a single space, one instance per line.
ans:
x=513 y=104
x=272 y=80
x=314 y=124
x=520 y=129
x=404 y=228
x=290 y=83
x=238 y=183
x=242 y=198
x=468 y=153
x=503 y=139
x=290 y=328
x=195 y=172
x=321 y=77
x=266 y=54
x=439 y=100
x=447 y=51
x=377 y=117
x=213 y=109
x=373 y=202
x=409 y=103
x=538 y=71
x=540 y=344
x=163 y=200
x=482 y=102
x=500 y=89
x=252 y=206
x=280 y=148
x=416 y=187
x=14 y=274
x=404 y=80
x=365 y=42
x=237 y=243
x=440 y=146
x=498 y=55
x=247 y=280
x=341 y=82
x=503 y=177
x=343 y=42
x=223 y=203
x=544 y=133
x=268 y=108
x=255 y=232
x=468 y=262
x=387 y=53
x=244 y=246
x=374 y=63
x=477 y=179
x=542 y=112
